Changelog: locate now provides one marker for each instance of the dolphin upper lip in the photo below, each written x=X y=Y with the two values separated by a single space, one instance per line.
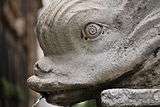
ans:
x=39 y=84
x=61 y=94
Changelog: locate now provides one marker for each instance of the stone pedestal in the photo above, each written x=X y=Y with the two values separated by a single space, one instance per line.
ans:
x=131 y=98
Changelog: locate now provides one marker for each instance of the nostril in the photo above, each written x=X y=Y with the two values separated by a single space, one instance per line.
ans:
x=37 y=66
x=37 y=69
x=42 y=68
x=50 y=70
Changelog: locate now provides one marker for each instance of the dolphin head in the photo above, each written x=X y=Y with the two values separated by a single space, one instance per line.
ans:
x=89 y=43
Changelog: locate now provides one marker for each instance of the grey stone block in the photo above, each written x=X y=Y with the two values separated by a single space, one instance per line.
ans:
x=131 y=98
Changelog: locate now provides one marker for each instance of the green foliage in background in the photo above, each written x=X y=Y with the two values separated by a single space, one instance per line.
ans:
x=11 y=91
x=91 y=103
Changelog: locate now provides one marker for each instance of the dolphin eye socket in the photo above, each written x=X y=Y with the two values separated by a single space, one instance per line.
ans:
x=92 y=31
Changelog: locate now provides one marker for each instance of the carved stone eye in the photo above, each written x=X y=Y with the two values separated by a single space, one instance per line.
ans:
x=92 y=31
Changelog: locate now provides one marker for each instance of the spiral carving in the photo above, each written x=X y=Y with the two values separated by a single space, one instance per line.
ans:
x=92 y=31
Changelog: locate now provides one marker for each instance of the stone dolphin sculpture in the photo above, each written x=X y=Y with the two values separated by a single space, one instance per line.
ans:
x=90 y=43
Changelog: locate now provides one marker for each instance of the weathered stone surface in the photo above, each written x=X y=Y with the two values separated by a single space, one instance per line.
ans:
x=148 y=75
x=131 y=98
x=89 y=44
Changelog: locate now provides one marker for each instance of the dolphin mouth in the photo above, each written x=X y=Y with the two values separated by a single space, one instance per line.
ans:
x=65 y=74
x=64 y=90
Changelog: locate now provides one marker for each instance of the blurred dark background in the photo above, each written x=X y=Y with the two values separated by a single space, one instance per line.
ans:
x=17 y=50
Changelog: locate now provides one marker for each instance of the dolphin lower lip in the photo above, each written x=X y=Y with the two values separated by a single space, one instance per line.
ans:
x=69 y=97
x=55 y=98
x=58 y=92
